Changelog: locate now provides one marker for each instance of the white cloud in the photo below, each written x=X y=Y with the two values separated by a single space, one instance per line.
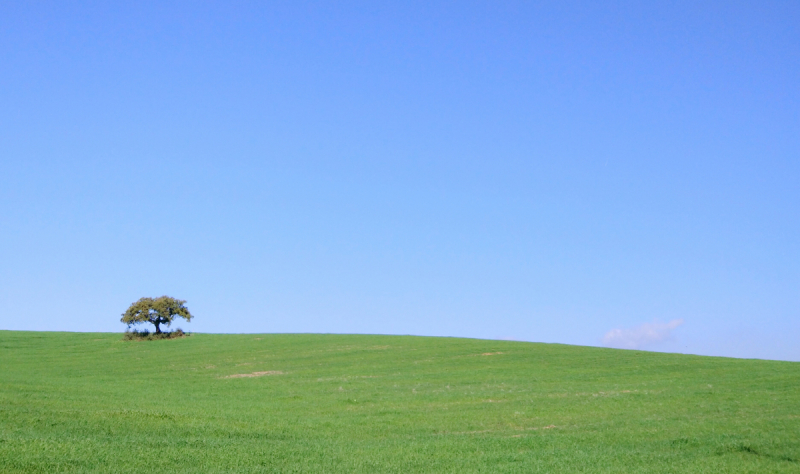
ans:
x=641 y=336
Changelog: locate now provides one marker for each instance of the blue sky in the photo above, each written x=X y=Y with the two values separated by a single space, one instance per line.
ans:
x=597 y=173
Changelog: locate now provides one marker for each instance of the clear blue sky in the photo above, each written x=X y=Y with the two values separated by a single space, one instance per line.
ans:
x=620 y=173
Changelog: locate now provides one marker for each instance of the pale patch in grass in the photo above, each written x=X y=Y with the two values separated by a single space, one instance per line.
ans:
x=491 y=353
x=610 y=393
x=254 y=374
x=470 y=432
x=346 y=378
x=535 y=428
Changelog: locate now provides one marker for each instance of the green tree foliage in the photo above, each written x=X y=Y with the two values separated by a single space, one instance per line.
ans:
x=156 y=311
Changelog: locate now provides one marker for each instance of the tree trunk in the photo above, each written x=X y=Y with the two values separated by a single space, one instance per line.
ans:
x=158 y=329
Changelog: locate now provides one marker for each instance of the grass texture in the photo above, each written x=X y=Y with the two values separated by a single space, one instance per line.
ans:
x=93 y=403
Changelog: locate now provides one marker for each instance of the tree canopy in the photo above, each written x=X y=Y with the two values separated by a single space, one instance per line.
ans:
x=156 y=311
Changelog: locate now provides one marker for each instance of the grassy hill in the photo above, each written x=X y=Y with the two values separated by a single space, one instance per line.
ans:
x=76 y=402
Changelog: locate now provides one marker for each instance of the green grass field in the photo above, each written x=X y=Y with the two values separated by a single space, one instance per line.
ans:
x=89 y=402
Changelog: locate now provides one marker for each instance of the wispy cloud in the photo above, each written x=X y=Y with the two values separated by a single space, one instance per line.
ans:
x=641 y=336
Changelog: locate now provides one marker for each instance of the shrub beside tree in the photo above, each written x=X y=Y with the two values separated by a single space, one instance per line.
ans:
x=156 y=311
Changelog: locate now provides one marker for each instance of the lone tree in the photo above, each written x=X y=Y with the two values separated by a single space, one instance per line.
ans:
x=156 y=311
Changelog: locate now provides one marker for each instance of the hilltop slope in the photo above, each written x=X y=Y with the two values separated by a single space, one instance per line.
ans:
x=78 y=402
